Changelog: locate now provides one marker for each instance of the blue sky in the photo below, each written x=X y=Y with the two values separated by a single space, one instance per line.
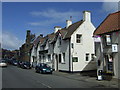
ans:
x=42 y=17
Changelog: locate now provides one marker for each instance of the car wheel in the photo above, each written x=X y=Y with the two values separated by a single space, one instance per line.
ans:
x=40 y=72
x=36 y=71
x=50 y=72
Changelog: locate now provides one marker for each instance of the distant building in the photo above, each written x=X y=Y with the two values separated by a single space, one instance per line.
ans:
x=25 y=48
x=8 y=54
x=107 y=42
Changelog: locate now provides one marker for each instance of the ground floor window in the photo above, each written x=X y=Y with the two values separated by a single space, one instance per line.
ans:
x=49 y=58
x=92 y=57
x=63 y=59
x=75 y=59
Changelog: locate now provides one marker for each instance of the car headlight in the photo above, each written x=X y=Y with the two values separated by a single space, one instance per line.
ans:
x=43 y=69
x=25 y=65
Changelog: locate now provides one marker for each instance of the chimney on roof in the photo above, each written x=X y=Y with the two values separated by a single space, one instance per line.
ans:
x=41 y=35
x=86 y=16
x=57 y=28
x=68 y=22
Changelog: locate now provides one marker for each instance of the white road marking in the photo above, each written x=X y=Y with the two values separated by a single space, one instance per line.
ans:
x=44 y=84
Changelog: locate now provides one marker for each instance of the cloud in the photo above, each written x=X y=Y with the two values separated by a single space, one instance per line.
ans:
x=110 y=7
x=43 y=23
x=10 y=41
x=53 y=16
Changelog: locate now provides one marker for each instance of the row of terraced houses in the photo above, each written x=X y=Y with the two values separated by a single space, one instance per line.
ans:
x=78 y=46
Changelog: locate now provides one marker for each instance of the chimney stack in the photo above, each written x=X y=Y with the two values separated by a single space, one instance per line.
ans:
x=68 y=22
x=87 y=16
x=41 y=35
x=57 y=28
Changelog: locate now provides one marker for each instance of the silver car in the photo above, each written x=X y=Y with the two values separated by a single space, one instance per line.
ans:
x=3 y=63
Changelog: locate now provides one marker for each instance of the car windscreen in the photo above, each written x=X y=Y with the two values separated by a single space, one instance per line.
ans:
x=46 y=66
x=2 y=61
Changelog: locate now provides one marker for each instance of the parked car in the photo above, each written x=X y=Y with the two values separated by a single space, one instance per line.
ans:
x=43 y=68
x=19 y=64
x=15 y=62
x=26 y=65
x=3 y=63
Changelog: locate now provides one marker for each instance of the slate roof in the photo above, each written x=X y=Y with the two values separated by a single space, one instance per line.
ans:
x=51 y=36
x=65 y=33
x=36 y=41
x=72 y=28
x=110 y=24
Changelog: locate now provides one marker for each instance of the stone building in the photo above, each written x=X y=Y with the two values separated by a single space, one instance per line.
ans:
x=25 y=48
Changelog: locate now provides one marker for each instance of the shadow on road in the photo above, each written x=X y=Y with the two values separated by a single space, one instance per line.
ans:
x=89 y=73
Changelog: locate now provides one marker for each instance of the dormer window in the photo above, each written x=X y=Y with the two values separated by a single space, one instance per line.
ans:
x=78 y=38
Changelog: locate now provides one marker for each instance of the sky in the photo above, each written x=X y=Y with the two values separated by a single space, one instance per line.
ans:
x=42 y=17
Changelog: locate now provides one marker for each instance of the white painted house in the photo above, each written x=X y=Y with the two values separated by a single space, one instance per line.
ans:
x=34 y=56
x=46 y=50
x=74 y=46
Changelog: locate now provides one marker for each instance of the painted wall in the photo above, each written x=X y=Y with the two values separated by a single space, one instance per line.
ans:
x=86 y=46
x=79 y=50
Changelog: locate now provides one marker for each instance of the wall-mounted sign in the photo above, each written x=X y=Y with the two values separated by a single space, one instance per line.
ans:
x=108 y=39
x=114 y=48
x=97 y=39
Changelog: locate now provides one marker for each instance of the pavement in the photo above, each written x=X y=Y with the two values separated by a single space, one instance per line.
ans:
x=113 y=83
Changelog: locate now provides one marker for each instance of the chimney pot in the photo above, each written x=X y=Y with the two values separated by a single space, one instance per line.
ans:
x=41 y=35
x=57 y=28
x=86 y=16
x=68 y=22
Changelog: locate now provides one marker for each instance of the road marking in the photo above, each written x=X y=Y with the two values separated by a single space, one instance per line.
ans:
x=44 y=84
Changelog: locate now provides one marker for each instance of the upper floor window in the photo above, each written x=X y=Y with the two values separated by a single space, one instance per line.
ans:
x=108 y=40
x=60 y=40
x=78 y=38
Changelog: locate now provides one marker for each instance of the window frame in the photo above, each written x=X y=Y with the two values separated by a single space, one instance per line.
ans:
x=60 y=58
x=78 y=38
x=87 y=56
x=73 y=59
x=108 y=37
x=63 y=57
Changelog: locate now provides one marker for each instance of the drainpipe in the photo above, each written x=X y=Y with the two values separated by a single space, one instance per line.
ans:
x=69 y=55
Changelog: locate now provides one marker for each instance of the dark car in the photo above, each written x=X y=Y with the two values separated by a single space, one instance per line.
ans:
x=19 y=63
x=14 y=62
x=26 y=65
x=43 y=68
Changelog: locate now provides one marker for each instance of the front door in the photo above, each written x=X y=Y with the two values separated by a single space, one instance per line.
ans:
x=109 y=63
x=56 y=62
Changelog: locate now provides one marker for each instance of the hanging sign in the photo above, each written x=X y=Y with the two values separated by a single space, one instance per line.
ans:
x=97 y=39
x=114 y=48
